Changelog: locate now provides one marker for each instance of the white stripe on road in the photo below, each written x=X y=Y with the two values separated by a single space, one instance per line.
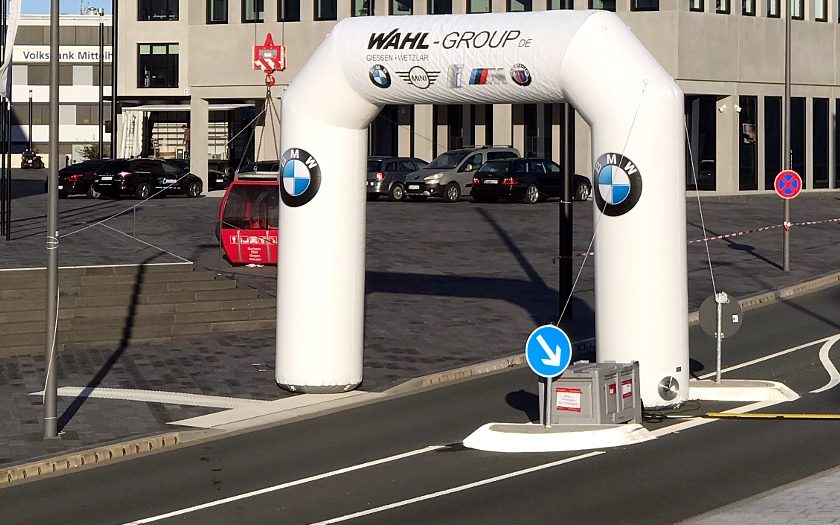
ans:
x=767 y=357
x=287 y=485
x=459 y=489
x=833 y=375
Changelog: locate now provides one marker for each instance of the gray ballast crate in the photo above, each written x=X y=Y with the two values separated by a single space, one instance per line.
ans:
x=588 y=393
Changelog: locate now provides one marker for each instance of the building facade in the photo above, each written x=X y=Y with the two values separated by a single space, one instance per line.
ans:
x=79 y=81
x=194 y=58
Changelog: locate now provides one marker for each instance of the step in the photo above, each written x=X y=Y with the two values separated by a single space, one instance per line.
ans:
x=209 y=306
x=70 y=325
x=226 y=326
x=38 y=275
x=102 y=280
x=225 y=315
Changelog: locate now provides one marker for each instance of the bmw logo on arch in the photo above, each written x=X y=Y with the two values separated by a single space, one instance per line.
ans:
x=300 y=177
x=618 y=183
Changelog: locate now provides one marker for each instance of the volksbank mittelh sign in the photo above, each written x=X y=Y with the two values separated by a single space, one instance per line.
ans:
x=67 y=54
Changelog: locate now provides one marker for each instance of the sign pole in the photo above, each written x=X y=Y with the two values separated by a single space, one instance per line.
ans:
x=786 y=139
x=547 y=407
x=719 y=299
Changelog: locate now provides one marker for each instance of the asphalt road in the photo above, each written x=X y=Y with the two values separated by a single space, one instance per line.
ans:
x=335 y=466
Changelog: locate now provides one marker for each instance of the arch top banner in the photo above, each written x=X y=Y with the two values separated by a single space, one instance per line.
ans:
x=457 y=58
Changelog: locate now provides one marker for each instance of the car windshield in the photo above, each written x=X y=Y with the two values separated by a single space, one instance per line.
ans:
x=113 y=167
x=495 y=166
x=374 y=165
x=449 y=160
x=263 y=165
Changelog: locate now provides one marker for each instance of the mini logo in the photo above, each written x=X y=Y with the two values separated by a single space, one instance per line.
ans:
x=487 y=75
x=619 y=184
x=379 y=76
x=456 y=75
x=419 y=77
x=301 y=176
x=520 y=74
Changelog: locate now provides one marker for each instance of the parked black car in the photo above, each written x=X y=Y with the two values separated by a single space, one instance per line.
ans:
x=386 y=176
x=77 y=179
x=31 y=160
x=528 y=180
x=216 y=179
x=142 y=178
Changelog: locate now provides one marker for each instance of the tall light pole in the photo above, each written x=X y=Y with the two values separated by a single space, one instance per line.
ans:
x=30 y=120
x=50 y=391
x=114 y=46
x=786 y=152
x=101 y=115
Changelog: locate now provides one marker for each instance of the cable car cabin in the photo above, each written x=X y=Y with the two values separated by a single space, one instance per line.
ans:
x=248 y=220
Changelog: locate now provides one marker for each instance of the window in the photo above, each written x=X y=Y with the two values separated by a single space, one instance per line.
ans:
x=440 y=7
x=820 y=11
x=561 y=4
x=478 y=6
x=820 y=129
x=722 y=7
x=696 y=5
x=360 y=8
x=748 y=143
x=606 y=5
x=748 y=7
x=796 y=13
x=217 y=11
x=644 y=5
x=326 y=9
x=772 y=140
x=157 y=10
x=290 y=10
x=518 y=6
x=106 y=74
x=773 y=10
x=701 y=121
x=798 y=121
x=406 y=7
x=252 y=11
x=157 y=65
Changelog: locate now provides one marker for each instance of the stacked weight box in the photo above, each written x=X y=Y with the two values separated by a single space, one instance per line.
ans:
x=595 y=393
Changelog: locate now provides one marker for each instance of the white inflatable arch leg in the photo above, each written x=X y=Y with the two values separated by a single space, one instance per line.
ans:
x=588 y=58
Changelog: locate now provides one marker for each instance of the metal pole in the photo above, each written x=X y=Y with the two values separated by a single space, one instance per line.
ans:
x=786 y=150
x=50 y=390
x=9 y=169
x=114 y=39
x=547 y=408
x=718 y=337
x=101 y=118
x=30 y=120
x=5 y=169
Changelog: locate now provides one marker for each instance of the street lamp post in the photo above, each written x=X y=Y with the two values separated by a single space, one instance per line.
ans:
x=30 y=120
x=786 y=153
x=101 y=115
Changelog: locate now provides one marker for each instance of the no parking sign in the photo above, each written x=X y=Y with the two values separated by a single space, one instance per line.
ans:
x=788 y=184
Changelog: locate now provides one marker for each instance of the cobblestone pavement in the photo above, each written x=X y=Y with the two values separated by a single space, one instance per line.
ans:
x=812 y=501
x=448 y=285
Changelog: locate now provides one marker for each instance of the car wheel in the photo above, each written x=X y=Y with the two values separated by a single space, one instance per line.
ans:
x=193 y=190
x=452 y=192
x=142 y=192
x=417 y=198
x=92 y=193
x=581 y=192
x=396 y=193
x=532 y=194
x=372 y=197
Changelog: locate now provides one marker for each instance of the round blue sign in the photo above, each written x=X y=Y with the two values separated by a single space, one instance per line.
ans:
x=548 y=351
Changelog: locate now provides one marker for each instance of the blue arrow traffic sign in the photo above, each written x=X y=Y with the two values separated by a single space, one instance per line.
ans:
x=548 y=351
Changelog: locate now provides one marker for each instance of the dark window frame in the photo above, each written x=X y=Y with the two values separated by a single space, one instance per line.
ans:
x=470 y=7
x=168 y=17
x=260 y=7
x=778 y=5
x=592 y=5
x=635 y=7
x=283 y=13
x=509 y=6
x=208 y=11
x=823 y=18
x=747 y=12
x=430 y=8
x=371 y=9
x=324 y=18
x=726 y=9
x=801 y=15
x=700 y=9
x=175 y=67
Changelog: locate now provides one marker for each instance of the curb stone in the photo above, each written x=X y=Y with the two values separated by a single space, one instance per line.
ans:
x=133 y=448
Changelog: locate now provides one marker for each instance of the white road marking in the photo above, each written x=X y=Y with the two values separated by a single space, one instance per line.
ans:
x=286 y=485
x=767 y=357
x=833 y=374
x=696 y=421
x=156 y=396
x=459 y=488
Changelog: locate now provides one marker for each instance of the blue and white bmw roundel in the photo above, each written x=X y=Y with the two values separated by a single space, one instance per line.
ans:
x=619 y=184
x=301 y=177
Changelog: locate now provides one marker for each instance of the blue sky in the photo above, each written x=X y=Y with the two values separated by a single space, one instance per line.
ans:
x=67 y=6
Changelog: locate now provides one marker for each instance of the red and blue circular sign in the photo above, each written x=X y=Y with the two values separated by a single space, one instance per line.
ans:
x=788 y=184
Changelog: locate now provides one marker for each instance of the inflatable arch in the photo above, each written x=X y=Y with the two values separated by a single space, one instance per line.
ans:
x=588 y=58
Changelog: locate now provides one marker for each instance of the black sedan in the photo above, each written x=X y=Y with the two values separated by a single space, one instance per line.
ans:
x=216 y=179
x=175 y=180
x=526 y=180
x=77 y=179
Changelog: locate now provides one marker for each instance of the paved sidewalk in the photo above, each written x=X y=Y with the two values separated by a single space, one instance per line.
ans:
x=814 y=501
x=447 y=286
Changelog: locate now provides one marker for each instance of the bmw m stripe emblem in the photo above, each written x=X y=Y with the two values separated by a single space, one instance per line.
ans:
x=301 y=177
x=618 y=184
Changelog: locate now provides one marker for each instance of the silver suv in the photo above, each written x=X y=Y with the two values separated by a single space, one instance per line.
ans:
x=450 y=175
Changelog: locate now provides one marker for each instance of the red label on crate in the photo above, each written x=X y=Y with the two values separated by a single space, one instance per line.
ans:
x=626 y=388
x=568 y=399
